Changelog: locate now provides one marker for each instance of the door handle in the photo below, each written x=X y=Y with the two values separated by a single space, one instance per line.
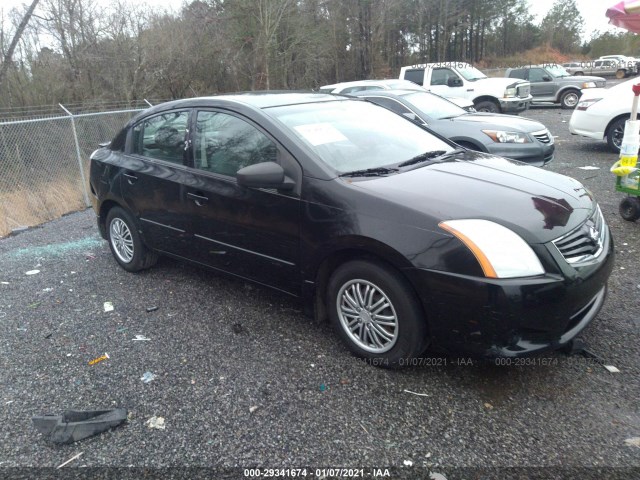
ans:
x=198 y=198
x=131 y=178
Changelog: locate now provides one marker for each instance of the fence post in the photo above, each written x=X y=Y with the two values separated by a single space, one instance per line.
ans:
x=79 y=154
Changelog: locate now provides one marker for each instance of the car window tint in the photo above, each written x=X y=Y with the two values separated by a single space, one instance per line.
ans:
x=415 y=76
x=518 y=73
x=536 y=74
x=224 y=144
x=162 y=136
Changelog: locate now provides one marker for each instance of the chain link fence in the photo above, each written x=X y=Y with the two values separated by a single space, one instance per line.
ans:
x=44 y=164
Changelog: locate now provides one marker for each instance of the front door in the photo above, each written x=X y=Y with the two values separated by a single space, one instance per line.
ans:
x=249 y=232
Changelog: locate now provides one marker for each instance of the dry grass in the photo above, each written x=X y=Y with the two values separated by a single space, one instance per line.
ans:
x=24 y=206
x=535 y=56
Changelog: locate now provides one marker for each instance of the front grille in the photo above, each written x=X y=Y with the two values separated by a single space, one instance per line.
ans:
x=524 y=91
x=585 y=242
x=543 y=136
x=601 y=84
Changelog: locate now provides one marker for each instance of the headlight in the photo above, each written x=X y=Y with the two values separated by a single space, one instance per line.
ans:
x=584 y=104
x=510 y=92
x=500 y=252
x=589 y=85
x=500 y=136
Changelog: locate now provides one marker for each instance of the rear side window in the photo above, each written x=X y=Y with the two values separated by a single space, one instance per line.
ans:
x=162 y=137
x=518 y=73
x=224 y=144
x=415 y=75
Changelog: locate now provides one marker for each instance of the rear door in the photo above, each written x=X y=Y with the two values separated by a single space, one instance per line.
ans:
x=249 y=232
x=153 y=177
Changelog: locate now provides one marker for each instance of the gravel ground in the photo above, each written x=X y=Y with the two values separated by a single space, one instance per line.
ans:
x=243 y=379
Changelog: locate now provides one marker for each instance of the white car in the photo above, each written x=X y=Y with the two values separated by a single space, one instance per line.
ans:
x=346 y=88
x=602 y=112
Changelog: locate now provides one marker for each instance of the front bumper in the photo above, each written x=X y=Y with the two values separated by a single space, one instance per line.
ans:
x=516 y=104
x=486 y=317
x=536 y=153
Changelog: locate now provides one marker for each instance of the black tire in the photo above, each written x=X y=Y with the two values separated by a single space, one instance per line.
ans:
x=620 y=74
x=125 y=242
x=406 y=335
x=630 y=208
x=570 y=99
x=615 y=132
x=577 y=74
x=487 y=106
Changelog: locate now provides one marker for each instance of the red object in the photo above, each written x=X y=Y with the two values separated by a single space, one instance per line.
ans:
x=636 y=89
x=625 y=14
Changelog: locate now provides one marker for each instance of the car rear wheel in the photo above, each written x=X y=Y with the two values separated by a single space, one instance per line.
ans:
x=376 y=313
x=630 y=209
x=125 y=242
x=621 y=74
x=615 y=134
x=569 y=99
x=578 y=74
x=487 y=106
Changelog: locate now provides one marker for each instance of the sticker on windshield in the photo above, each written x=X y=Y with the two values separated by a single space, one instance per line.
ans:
x=320 y=133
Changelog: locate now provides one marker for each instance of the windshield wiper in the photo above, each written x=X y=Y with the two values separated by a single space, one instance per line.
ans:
x=370 y=172
x=439 y=154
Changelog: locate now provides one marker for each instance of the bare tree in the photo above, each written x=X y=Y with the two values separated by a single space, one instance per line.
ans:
x=7 y=58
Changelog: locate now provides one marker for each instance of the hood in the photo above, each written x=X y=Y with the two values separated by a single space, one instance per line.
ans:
x=581 y=78
x=506 y=122
x=538 y=205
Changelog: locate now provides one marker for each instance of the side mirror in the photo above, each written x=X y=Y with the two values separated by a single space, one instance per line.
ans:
x=546 y=78
x=264 y=175
x=454 y=82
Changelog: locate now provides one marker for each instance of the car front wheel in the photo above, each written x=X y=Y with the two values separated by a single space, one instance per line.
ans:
x=376 y=313
x=487 y=106
x=569 y=99
x=125 y=242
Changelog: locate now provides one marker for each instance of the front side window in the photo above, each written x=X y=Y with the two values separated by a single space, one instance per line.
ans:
x=536 y=74
x=224 y=144
x=162 y=137
x=440 y=76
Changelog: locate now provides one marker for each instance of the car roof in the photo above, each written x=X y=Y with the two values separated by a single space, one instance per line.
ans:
x=260 y=99
x=356 y=83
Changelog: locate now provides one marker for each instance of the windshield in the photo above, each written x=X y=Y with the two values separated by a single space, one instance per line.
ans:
x=471 y=73
x=557 y=71
x=353 y=135
x=434 y=106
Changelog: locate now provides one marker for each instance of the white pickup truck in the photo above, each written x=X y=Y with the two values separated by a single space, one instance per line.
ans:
x=459 y=79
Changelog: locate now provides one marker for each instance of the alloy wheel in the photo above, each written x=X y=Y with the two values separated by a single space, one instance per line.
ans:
x=367 y=316
x=121 y=240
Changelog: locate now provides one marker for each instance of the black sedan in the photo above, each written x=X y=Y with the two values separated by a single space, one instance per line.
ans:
x=395 y=234
x=505 y=135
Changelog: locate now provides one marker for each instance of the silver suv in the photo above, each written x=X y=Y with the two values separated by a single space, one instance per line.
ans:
x=616 y=65
x=552 y=83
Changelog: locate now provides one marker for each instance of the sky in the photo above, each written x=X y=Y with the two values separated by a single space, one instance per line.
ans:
x=592 y=11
